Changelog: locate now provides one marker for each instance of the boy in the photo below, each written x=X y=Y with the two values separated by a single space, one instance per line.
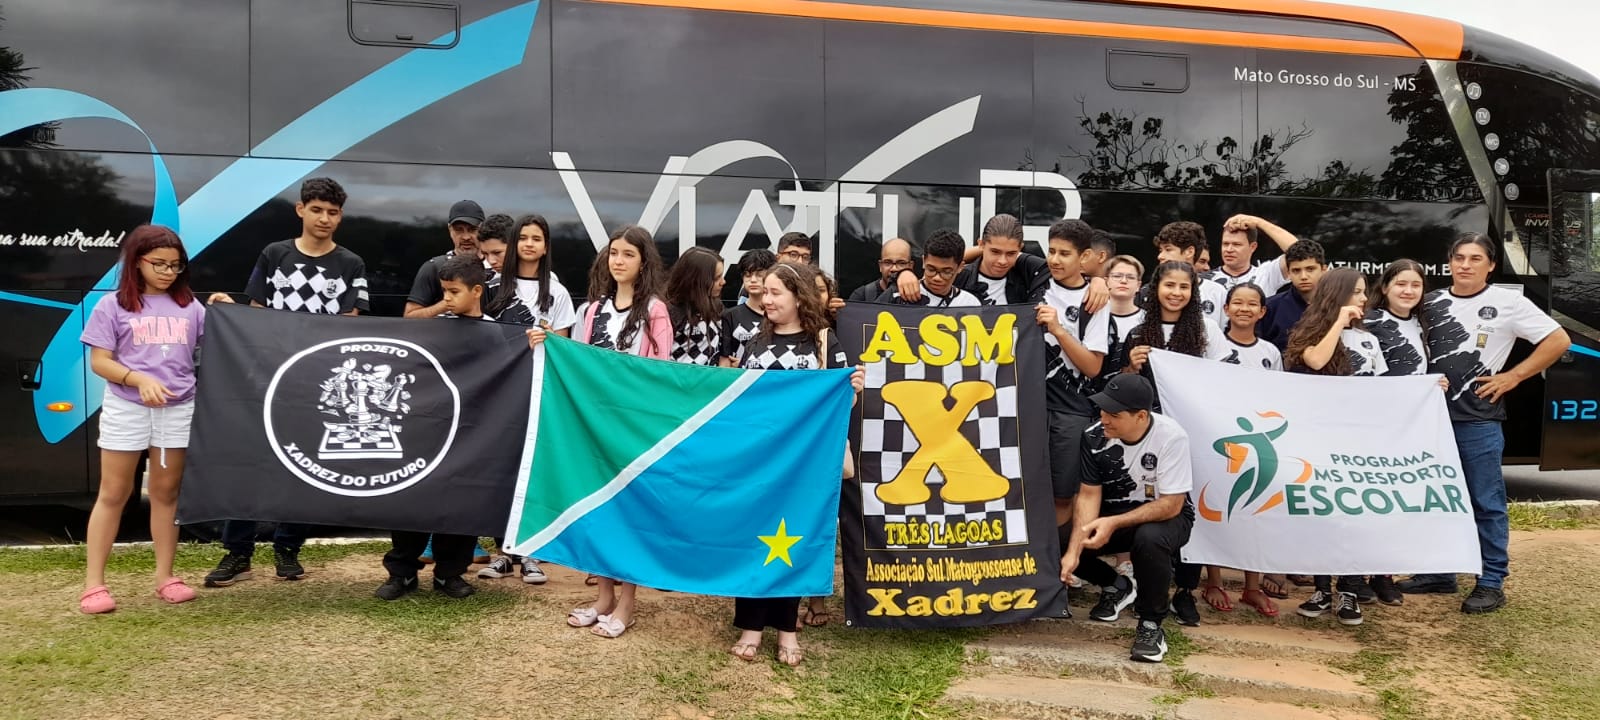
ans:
x=1183 y=241
x=1305 y=262
x=1076 y=345
x=311 y=274
x=941 y=263
x=741 y=322
x=461 y=287
x=1102 y=249
x=796 y=247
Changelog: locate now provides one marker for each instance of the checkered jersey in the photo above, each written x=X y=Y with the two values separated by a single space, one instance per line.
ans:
x=887 y=443
x=739 y=324
x=694 y=343
x=287 y=279
x=791 y=351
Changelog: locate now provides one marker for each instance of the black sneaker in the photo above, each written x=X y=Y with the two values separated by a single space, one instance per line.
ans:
x=232 y=569
x=454 y=587
x=1183 y=608
x=288 y=562
x=1364 y=592
x=1423 y=585
x=1349 y=609
x=1483 y=600
x=395 y=588
x=497 y=568
x=1316 y=606
x=1149 y=642
x=1113 y=600
x=1383 y=587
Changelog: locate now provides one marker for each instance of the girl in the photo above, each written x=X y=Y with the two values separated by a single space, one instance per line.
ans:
x=794 y=336
x=529 y=293
x=830 y=297
x=1330 y=340
x=142 y=340
x=1244 y=306
x=694 y=304
x=622 y=314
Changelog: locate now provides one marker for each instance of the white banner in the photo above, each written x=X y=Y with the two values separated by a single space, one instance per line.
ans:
x=1319 y=475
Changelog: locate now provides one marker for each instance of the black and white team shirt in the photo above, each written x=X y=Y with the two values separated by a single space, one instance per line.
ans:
x=1366 y=358
x=1267 y=275
x=1212 y=298
x=956 y=298
x=1400 y=339
x=1131 y=474
x=1067 y=389
x=606 y=328
x=1118 y=328
x=287 y=279
x=791 y=351
x=694 y=343
x=525 y=311
x=994 y=289
x=1471 y=337
x=739 y=324
x=1216 y=341
x=1258 y=354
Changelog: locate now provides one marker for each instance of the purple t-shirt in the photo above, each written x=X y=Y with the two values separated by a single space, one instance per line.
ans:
x=158 y=341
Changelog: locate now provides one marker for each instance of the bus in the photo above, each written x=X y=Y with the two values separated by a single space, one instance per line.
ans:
x=725 y=123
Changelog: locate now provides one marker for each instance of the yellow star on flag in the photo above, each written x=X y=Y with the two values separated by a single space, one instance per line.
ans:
x=778 y=545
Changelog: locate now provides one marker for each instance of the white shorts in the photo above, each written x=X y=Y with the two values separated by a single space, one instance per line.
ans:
x=131 y=427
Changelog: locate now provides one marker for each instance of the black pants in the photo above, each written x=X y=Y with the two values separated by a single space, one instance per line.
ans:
x=781 y=614
x=239 y=537
x=1153 y=547
x=1185 y=575
x=452 y=554
x=1347 y=583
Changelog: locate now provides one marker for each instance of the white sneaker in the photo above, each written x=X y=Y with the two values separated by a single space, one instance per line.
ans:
x=532 y=574
x=499 y=567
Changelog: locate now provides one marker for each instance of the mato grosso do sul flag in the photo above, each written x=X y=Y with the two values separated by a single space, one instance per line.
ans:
x=1319 y=475
x=712 y=481
x=953 y=521
x=365 y=422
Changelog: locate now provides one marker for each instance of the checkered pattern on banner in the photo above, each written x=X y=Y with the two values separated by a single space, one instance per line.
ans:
x=887 y=443
x=306 y=288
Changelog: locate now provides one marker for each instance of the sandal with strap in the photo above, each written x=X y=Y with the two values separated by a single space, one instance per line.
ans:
x=607 y=626
x=745 y=651
x=791 y=656
x=591 y=579
x=174 y=591
x=1259 y=600
x=96 y=600
x=582 y=617
x=1218 y=598
x=1273 y=586
x=816 y=618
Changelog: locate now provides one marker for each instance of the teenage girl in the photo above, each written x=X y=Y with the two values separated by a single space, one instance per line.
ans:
x=623 y=314
x=142 y=341
x=529 y=293
x=694 y=304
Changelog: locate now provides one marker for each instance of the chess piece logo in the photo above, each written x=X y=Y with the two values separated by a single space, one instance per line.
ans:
x=361 y=416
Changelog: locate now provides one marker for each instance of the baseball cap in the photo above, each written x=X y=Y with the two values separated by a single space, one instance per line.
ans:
x=1125 y=392
x=466 y=211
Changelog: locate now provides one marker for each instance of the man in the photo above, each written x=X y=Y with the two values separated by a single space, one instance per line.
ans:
x=941 y=263
x=1471 y=327
x=1304 y=262
x=1135 y=498
x=426 y=299
x=893 y=258
x=1184 y=241
x=311 y=274
x=1239 y=235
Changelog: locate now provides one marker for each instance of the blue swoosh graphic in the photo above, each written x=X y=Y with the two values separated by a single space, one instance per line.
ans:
x=1581 y=350
x=389 y=94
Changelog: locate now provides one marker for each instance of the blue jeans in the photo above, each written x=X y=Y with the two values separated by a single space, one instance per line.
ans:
x=1482 y=446
x=239 y=537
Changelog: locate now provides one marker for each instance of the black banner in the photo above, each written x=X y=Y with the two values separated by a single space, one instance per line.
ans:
x=383 y=423
x=952 y=522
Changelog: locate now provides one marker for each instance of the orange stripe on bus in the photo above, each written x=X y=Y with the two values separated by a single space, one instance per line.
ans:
x=1051 y=26
x=1434 y=38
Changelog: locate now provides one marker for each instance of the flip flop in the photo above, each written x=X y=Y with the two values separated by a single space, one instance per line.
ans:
x=1265 y=606
x=174 y=591
x=1276 y=589
x=582 y=617
x=591 y=579
x=1223 y=605
x=607 y=626
x=791 y=656
x=814 y=618
x=744 y=651
x=96 y=600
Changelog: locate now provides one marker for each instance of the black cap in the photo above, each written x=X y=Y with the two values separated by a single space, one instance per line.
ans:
x=466 y=211
x=1125 y=392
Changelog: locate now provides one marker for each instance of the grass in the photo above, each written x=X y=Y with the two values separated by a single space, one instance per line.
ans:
x=191 y=558
x=878 y=674
x=1528 y=516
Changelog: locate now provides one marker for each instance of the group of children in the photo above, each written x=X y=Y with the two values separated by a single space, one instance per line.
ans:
x=1100 y=316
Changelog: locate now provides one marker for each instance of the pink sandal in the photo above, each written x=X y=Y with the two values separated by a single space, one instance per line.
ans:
x=96 y=600
x=174 y=591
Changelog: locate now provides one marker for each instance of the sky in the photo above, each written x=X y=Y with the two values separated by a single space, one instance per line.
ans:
x=1565 y=28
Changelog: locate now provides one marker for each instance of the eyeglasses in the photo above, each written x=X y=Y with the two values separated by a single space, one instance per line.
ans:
x=165 y=267
x=796 y=255
x=946 y=273
x=1125 y=277
x=894 y=264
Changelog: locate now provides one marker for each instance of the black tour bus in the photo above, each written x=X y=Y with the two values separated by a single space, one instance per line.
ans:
x=724 y=123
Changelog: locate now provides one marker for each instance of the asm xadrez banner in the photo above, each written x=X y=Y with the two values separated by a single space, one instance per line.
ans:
x=364 y=422
x=952 y=520
x=1319 y=475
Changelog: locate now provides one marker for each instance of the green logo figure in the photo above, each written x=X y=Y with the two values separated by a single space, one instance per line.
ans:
x=1236 y=449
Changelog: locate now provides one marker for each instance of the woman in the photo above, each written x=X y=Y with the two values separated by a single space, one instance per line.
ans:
x=694 y=305
x=529 y=293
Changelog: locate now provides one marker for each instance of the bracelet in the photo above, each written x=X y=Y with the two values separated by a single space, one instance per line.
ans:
x=124 y=381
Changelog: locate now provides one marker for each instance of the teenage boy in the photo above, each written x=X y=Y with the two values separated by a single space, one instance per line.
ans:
x=894 y=258
x=464 y=220
x=495 y=236
x=1239 y=244
x=741 y=322
x=796 y=247
x=1202 y=264
x=310 y=274
x=1305 y=262
x=461 y=286
x=1101 y=249
x=941 y=263
x=1004 y=274
x=1184 y=241
x=1135 y=498
x=1075 y=344
x=1471 y=327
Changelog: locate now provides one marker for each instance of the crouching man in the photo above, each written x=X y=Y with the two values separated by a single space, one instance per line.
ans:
x=1135 y=498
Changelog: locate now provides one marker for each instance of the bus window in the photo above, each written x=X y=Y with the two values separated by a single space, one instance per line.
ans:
x=1530 y=125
